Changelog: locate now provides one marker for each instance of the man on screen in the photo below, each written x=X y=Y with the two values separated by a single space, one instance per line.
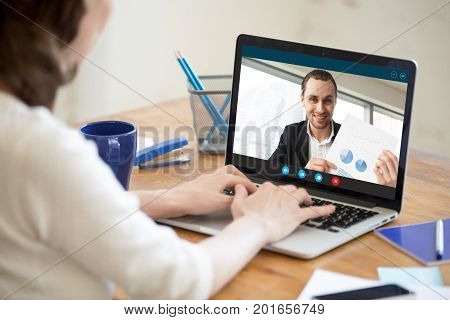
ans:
x=306 y=144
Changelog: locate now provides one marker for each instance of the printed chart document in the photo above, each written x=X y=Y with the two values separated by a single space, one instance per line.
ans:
x=356 y=148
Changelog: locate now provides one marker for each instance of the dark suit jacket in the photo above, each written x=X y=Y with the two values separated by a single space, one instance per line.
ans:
x=293 y=148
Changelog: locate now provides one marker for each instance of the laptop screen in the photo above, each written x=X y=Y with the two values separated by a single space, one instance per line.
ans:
x=319 y=120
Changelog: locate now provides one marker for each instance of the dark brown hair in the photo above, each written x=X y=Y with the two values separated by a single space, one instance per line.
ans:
x=32 y=35
x=319 y=75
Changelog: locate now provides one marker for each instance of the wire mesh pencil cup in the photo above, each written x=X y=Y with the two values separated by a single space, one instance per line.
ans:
x=211 y=137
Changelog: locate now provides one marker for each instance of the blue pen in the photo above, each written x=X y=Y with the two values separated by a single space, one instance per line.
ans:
x=196 y=83
x=210 y=108
x=205 y=102
x=439 y=239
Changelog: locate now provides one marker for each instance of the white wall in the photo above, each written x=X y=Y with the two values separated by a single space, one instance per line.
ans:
x=142 y=35
x=385 y=93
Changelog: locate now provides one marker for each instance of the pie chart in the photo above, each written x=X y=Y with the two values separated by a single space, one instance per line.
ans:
x=346 y=156
x=361 y=165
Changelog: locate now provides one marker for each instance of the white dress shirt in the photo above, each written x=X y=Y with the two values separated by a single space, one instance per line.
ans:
x=319 y=149
x=68 y=230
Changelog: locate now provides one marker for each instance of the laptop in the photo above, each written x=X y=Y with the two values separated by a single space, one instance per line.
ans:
x=281 y=93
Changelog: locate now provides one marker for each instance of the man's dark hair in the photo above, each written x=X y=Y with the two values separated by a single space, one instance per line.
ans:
x=318 y=75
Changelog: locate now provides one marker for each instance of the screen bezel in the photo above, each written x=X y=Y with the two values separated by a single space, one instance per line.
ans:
x=356 y=57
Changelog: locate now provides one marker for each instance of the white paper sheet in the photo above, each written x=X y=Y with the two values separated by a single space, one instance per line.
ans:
x=356 y=148
x=325 y=282
x=412 y=276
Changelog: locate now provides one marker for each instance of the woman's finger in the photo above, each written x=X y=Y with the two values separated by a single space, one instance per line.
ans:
x=230 y=169
x=302 y=196
x=240 y=193
x=232 y=180
x=315 y=211
x=289 y=188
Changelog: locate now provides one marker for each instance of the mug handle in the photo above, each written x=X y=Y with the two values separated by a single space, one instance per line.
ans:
x=113 y=150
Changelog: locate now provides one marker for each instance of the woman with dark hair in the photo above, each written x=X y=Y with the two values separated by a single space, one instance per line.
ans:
x=68 y=230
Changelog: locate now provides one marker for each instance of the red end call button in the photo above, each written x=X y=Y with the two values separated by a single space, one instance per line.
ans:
x=335 y=181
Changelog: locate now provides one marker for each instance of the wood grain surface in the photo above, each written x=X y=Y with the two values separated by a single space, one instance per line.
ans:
x=276 y=276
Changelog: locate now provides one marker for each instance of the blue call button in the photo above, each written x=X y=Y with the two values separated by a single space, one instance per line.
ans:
x=285 y=170
x=318 y=177
x=301 y=174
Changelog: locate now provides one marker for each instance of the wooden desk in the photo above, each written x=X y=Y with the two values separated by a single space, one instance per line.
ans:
x=275 y=276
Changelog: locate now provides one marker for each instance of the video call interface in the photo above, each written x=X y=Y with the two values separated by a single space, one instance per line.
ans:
x=321 y=120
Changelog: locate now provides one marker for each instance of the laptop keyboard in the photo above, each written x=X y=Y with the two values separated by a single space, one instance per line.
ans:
x=344 y=216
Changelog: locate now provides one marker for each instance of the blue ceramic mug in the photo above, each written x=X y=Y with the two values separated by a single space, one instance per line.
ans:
x=116 y=143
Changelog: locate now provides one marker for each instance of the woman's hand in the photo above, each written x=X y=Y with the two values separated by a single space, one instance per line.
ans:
x=276 y=209
x=266 y=216
x=205 y=194
x=386 y=169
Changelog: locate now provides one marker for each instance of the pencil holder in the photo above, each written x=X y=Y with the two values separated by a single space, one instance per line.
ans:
x=210 y=111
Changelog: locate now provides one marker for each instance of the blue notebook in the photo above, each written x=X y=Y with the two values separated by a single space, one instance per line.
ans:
x=418 y=240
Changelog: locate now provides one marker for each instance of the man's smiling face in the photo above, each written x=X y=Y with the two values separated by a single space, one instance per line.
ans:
x=319 y=100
